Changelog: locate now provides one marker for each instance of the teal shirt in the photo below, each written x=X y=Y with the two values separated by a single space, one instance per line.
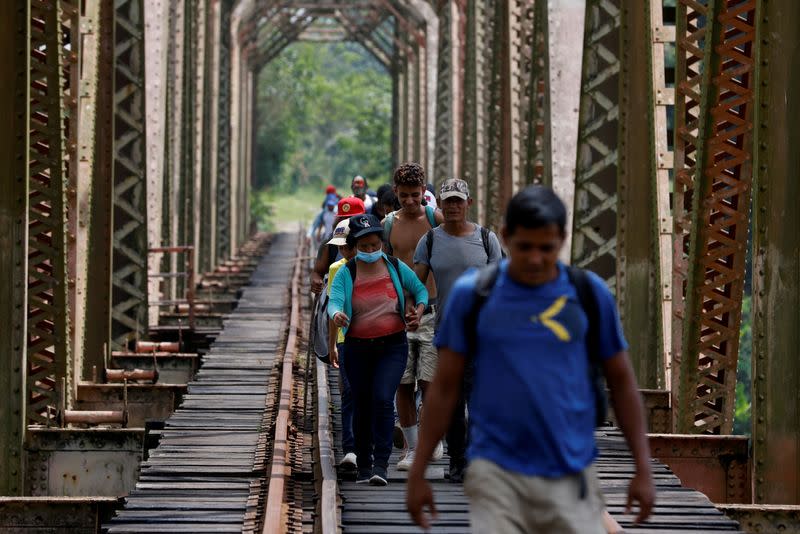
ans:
x=341 y=297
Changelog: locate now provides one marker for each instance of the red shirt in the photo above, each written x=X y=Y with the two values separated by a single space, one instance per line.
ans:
x=375 y=303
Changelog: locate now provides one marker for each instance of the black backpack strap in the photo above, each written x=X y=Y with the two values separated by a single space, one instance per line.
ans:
x=429 y=244
x=484 y=284
x=394 y=262
x=486 y=245
x=333 y=250
x=351 y=266
x=586 y=296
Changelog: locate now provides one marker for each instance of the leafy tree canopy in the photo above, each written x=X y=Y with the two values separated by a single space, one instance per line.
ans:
x=323 y=115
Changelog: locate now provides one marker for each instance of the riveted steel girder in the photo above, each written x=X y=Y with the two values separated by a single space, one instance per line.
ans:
x=692 y=51
x=14 y=153
x=129 y=276
x=776 y=262
x=721 y=204
x=223 y=196
x=448 y=94
x=48 y=350
x=473 y=137
x=594 y=224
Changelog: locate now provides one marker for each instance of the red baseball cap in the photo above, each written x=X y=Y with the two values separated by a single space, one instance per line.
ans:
x=330 y=189
x=350 y=206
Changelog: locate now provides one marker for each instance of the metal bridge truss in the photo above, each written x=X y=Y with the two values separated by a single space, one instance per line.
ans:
x=131 y=126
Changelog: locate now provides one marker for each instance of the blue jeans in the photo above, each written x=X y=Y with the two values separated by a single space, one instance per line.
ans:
x=374 y=369
x=348 y=442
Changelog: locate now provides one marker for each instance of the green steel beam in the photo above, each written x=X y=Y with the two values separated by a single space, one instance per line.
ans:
x=776 y=262
x=223 y=237
x=48 y=350
x=594 y=224
x=129 y=263
x=637 y=265
x=98 y=287
x=719 y=225
x=14 y=148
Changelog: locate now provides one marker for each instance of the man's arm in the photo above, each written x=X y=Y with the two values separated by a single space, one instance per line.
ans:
x=627 y=404
x=438 y=216
x=321 y=265
x=333 y=333
x=440 y=399
x=422 y=271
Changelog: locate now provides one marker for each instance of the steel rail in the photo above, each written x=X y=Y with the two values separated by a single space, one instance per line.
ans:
x=274 y=516
x=328 y=506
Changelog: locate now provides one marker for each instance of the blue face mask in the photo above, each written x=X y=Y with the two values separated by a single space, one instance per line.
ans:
x=369 y=257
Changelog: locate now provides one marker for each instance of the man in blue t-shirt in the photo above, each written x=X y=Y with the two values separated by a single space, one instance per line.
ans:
x=532 y=408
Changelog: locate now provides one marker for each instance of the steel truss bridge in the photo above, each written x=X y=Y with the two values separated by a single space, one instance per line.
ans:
x=127 y=163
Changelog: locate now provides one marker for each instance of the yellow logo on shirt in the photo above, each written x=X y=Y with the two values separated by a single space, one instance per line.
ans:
x=546 y=319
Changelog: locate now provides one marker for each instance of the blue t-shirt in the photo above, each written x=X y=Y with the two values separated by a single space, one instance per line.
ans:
x=532 y=406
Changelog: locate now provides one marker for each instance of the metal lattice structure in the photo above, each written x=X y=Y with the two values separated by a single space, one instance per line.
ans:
x=595 y=216
x=720 y=213
x=129 y=264
x=48 y=321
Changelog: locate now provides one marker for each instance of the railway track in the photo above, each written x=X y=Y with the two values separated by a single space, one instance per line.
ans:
x=245 y=453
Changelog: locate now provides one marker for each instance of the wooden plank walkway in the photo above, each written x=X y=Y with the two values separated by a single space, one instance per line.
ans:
x=202 y=475
x=367 y=509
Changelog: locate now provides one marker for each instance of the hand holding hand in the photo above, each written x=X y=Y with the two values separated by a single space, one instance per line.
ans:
x=341 y=320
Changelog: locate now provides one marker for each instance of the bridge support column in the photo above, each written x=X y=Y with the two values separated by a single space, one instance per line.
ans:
x=14 y=96
x=776 y=264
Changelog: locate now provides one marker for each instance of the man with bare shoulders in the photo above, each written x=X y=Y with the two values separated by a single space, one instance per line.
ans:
x=402 y=231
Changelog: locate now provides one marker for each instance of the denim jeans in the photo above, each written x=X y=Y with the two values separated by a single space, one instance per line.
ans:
x=374 y=369
x=458 y=433
x=348 y=442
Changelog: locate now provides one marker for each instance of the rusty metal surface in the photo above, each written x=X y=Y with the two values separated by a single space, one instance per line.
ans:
x=776 y=263
x=72 y=462
x=719 y=466
x=48 y=350
x=692 y=51
x=14 y=105
x=720 y=211
x=77 y=515
x=764 y=518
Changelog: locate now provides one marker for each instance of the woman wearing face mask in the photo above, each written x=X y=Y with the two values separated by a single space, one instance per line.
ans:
x=365 y=302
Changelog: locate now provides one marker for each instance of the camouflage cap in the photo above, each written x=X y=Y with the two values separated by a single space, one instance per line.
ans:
x=454 y=187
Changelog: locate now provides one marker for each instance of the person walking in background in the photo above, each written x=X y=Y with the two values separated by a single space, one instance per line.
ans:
x=368 y=296
x=336 y=350
x=360 y=189
x=402 y=231
x=327 y=254
x=447 y=251
x=535 y=332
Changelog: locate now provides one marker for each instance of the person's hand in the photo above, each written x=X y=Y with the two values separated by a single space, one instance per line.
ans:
x=333 y=353
x=419 y=500
x=316 y=283
x=412 y=320
x=641 y=491
x=341 y=320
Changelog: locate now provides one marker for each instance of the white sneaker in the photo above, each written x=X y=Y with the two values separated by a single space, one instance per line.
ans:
x=438 y=452
x=349 y=462
x=405 y=463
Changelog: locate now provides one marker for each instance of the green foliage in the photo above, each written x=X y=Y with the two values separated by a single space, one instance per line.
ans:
x=742 y=415
x=323 y=115
x=277 y=210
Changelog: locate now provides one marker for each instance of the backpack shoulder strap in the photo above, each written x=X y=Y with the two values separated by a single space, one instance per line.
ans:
x=431 y=213
x=429 y=244
x=351 y=266
x=333 y=250
x=394 y=263
x=486 y=245
x=583 y=286
x=484 y=284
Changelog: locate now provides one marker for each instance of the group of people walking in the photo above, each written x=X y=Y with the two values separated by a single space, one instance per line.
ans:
x=506 y=352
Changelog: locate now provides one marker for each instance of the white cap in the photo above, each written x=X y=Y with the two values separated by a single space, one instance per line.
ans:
x=340 y=233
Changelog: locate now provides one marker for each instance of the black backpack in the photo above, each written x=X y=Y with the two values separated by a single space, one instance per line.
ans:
x=487 y=277
x=484 y=239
